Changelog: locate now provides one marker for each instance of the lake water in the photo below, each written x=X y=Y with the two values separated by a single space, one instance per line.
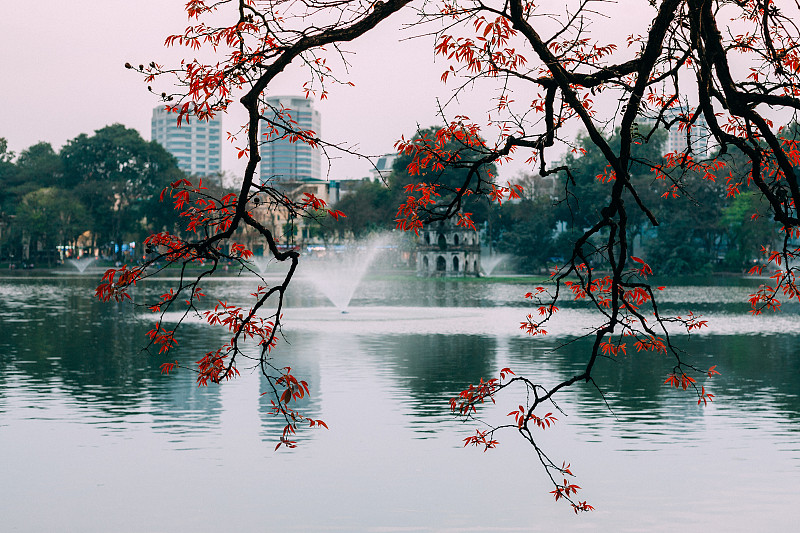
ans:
x=93 y=438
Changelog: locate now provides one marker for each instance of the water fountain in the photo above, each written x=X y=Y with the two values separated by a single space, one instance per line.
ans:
x=82 y=263
x=489 y=263
x=261 y=263
x=337 y=274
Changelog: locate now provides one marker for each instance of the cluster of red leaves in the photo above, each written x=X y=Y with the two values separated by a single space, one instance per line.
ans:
x=208 y=87
x=607 y=176
x=166 y=368
x=421 y=195
x=293 y=390
x=163 y=338
x=614 y=349
x=581 y=51
x=680 y=380
x=489 y=52
x=481 y=439
x=465 y=221
x=650 y=343
x=434 y=154
x=784 y=278
x=248 y=325
x=532 y=326
x=466 y=402
x=521 y=416
x=565 y=491
x=214 y=367
x=203 y=211
x=240 y=322
x=693 y=321
x=468 y=398
x=116 y=282
x=644 y=270
x=311 y=201
x=407 y=217
x=500 y=193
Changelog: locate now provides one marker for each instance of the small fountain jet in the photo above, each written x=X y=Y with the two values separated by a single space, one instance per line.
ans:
x=337 y=275
x=82 y=263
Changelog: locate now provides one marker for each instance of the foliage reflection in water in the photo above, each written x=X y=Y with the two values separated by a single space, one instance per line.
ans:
x=82 y=407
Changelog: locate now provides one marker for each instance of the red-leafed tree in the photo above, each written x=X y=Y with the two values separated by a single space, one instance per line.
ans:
x=724 y=70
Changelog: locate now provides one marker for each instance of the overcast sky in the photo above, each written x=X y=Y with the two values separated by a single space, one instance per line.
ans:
x=63 y=75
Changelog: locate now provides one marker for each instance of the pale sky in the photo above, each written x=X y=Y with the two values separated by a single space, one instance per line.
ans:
x=63 y=75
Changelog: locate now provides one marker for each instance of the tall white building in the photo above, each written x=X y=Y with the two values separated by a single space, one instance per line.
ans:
x=282 y=159
x=197 y=144
x=676 y=141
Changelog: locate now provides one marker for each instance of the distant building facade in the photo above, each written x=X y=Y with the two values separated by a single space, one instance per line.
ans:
x=289 y=230
x=677 y=139
x=281 y=159
x=447 y=250
x=383 y=167
x=196 y=144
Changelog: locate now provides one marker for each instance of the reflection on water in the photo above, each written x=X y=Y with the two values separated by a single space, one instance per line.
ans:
x=425 y=371
x=92 y=432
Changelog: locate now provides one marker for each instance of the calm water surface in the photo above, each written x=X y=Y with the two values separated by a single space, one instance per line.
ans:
x=93 y=438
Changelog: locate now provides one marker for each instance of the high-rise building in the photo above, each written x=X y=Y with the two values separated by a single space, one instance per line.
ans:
x=196 y=144
x=676 y=141
x=282 y=159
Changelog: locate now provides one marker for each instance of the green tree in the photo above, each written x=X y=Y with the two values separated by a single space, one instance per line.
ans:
x=119 y=176
x=6 y=156
x=689 y=236
x=528 y=231
x=590 y=179
x=747 y=228
x=50 y=216
x=368 y=208
x=40 y=165
x=37 y=166
x=8 y=177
